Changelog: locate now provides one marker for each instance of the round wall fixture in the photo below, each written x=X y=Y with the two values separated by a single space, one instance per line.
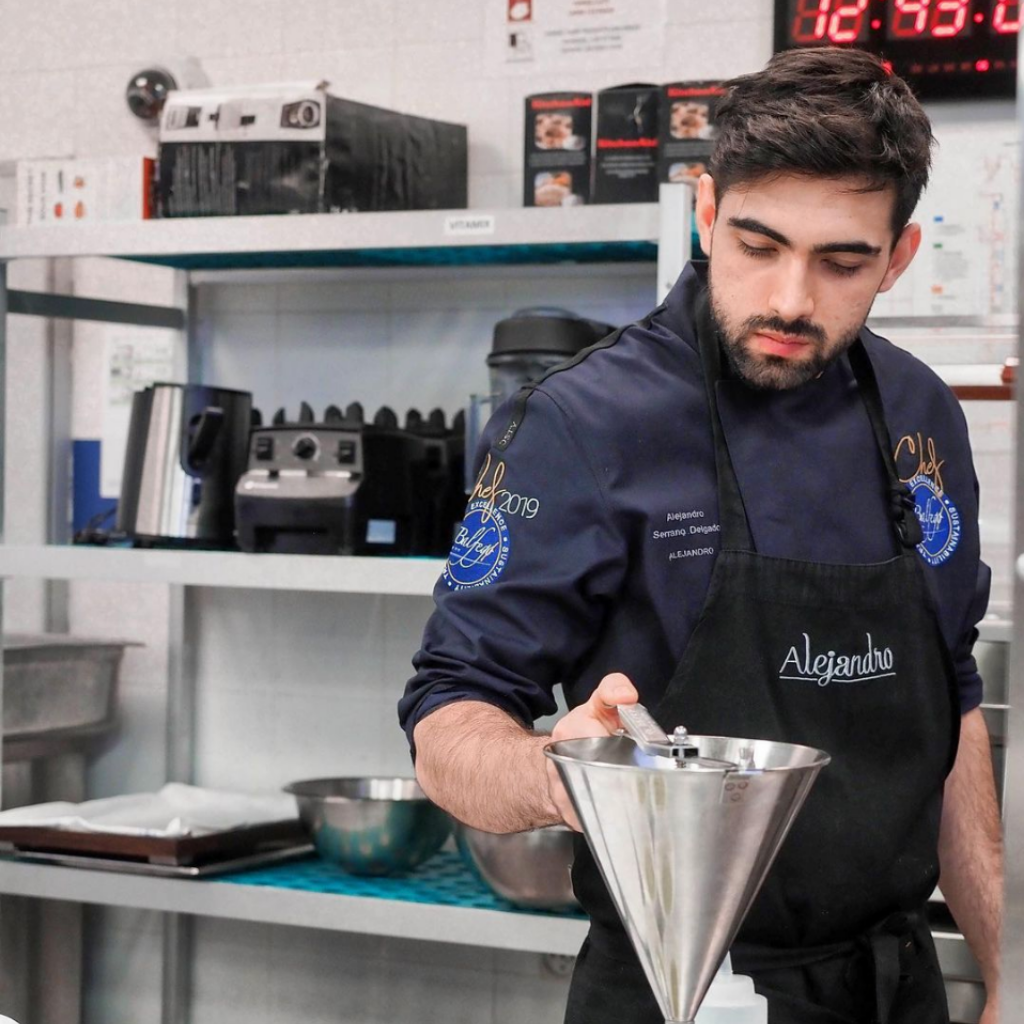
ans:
x=147 y=92
x=147 y=89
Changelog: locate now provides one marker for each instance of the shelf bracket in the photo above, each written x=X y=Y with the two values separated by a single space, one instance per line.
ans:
x=75 y=307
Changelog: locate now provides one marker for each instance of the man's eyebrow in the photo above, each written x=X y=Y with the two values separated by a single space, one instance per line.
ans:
x=853 y=248
x=749 y=224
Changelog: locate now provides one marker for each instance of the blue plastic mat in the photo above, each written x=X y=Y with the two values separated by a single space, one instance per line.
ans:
x=444 y=879
x=431 y=256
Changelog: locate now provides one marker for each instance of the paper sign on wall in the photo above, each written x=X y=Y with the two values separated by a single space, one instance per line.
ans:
x=134 y=358
x=530 y=37
x=967 y=263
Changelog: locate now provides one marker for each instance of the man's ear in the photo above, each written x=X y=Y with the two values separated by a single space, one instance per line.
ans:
x=902 y=254
x=706 y=210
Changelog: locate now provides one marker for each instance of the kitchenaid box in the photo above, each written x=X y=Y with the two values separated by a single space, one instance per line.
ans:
x=626 y=158
x=556 y=166
x=295 y=148
x=687 y=129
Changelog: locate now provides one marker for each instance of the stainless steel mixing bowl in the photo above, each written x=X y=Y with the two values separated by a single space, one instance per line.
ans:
x=530 y=869
x=371 y=826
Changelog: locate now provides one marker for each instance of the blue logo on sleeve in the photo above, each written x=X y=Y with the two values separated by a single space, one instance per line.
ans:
x=480 y=552
x=940 y=520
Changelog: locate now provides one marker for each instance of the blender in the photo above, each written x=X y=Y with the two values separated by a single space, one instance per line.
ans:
x=524 y=347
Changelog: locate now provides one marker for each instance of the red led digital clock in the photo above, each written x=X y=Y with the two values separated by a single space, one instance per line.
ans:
x=946 y=49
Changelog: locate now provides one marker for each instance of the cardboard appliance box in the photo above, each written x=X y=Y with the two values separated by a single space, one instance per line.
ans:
x=557 y=137
x=626 y=158
x=75 y=191
x=687 y=129
x=296 y=148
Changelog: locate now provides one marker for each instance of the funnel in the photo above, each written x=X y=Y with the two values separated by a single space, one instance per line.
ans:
x=684 y=832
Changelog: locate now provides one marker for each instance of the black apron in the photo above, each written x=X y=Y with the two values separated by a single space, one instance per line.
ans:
x=849 y=659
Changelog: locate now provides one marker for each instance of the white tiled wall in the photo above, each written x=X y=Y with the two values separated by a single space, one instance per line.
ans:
x=293 y=685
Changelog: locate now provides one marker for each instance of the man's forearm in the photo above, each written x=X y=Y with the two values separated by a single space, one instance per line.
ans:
x=970 y=848
x=484 y=767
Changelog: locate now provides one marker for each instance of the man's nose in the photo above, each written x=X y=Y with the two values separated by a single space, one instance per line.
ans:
x=792 y=297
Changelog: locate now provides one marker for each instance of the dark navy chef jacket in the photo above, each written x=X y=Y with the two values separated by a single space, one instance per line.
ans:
x=588 y=545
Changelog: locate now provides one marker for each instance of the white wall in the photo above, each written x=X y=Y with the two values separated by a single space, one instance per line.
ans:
x=296 y=685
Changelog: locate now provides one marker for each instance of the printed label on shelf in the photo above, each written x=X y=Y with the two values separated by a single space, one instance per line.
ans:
x=469 y=224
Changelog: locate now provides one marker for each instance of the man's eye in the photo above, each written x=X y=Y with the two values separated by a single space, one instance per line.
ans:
x=842 y=269
x=755 y=251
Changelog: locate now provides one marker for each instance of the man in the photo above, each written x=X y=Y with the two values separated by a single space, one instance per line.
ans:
x=760 y=518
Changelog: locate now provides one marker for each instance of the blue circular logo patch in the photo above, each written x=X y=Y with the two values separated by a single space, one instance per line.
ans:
x=940 y=520
x=480 y=552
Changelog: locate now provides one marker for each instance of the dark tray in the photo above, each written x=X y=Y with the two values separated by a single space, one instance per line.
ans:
x=178 y=850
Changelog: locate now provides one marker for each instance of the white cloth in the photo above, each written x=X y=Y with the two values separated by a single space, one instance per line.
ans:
x=176 y=810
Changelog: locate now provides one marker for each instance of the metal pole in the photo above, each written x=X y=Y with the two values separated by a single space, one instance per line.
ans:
x=1011 y=977
x=14 y=961
x=59 y=926
x=3 y=436
x=60 y=335
x=178 y=929
x=675 y=234
x=176 y=979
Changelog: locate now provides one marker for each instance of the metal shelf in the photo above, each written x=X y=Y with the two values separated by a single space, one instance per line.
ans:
x=369 y=915
x=583 y=234
x=331 y=574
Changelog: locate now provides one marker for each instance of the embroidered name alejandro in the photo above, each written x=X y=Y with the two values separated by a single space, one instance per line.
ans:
x=480 y=552
x=805 y=666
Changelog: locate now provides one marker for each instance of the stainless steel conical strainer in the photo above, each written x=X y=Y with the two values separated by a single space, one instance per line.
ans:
x=684 y=830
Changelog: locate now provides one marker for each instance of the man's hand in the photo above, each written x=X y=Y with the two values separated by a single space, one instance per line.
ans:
x=598 y=717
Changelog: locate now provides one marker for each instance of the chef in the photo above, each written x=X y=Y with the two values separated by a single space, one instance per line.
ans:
x=760 y=519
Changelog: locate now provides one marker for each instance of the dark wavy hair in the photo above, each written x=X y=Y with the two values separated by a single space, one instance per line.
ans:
x=826 y=112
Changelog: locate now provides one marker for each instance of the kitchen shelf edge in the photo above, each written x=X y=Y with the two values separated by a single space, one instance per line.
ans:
x=496 y=929
x=515 y=234
x=340 y=574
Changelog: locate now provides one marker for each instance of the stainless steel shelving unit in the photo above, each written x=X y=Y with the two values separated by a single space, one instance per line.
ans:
x=228 y=249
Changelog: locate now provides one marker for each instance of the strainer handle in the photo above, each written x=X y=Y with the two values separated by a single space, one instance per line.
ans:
x=643 y=730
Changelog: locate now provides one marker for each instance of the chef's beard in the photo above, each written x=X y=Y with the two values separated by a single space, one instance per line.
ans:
x=776 y=373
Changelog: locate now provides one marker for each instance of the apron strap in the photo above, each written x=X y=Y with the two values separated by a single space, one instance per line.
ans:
x=736 y=534
x=901 y=501
x=883 y=942
x=885 y=952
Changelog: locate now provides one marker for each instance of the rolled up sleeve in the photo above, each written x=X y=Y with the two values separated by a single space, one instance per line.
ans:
x=529 y=580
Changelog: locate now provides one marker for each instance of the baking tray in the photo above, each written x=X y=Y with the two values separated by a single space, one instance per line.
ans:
x=264 y=858
x=171 y=851
x=56 y=682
